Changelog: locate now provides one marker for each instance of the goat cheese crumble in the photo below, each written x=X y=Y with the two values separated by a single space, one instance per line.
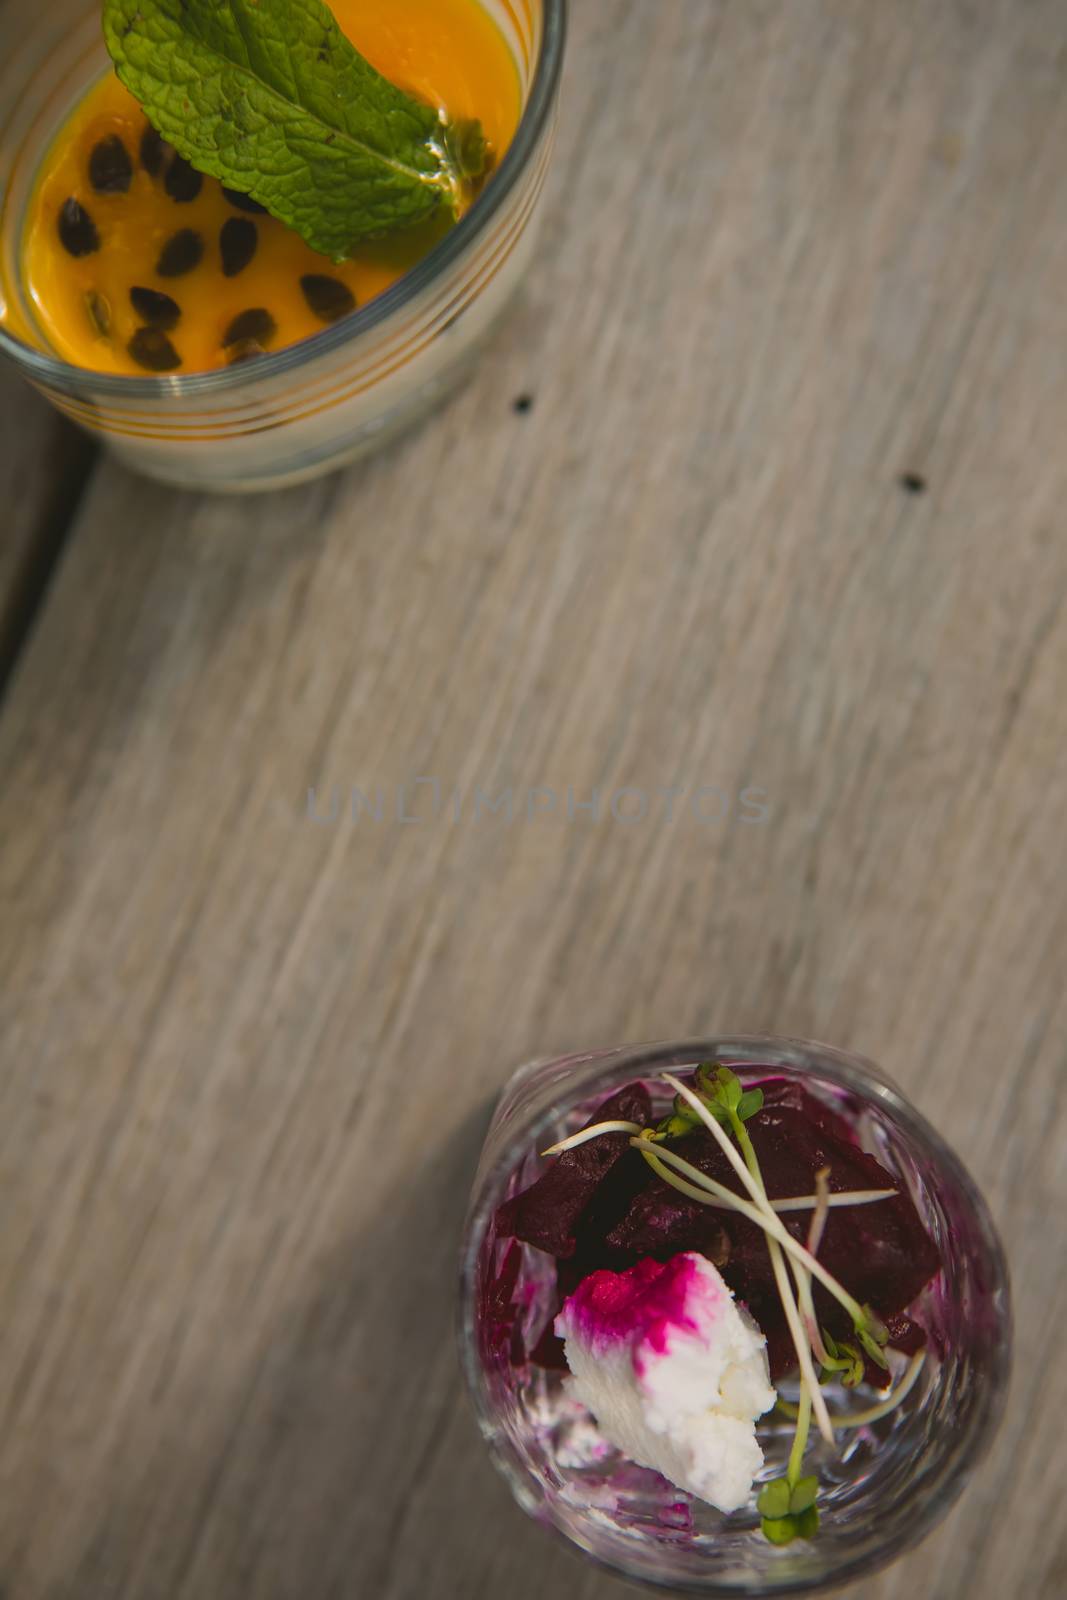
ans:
x=674 y=1371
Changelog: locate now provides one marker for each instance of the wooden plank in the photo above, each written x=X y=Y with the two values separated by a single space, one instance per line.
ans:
x=793 y=252
x=44 y=463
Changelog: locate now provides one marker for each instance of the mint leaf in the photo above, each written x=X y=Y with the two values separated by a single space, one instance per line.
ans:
x=465 y=146
x=271 y=98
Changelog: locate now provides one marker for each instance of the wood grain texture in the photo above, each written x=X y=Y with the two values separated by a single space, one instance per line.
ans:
x=44 y=463
x=792 y=251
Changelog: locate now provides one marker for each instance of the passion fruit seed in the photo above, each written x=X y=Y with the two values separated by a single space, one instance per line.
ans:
x=77 y=231
x=151 y=348
x=244 y=202
x=247 y=350
x=99 y=312
x=110 y=167
x=155 y=308
x=238 y=239
x=183 y=183
x=327 y=297
x=182 y=252
x=152 y=151
x=257 y=324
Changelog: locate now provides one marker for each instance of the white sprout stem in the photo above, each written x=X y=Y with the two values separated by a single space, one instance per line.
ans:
x=763 y=1219
x=697 y=1185
x=593 y=1132
x=844 y=1197
x=796 y=1202
x=800 y=1438
x=812 y=1398
x=860 y=1419
x=789 y=1306
x=803 y=1277
x=808 y=1375
x=822 y=1205
x=708 y=1190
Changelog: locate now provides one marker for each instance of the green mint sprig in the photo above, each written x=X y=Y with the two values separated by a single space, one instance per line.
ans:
x=270 y=97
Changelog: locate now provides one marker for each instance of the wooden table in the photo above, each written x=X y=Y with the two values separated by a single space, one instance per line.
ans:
x=786 y=513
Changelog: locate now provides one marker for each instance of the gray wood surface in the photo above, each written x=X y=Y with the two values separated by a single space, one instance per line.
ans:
x=44 y=462
x=792 y=252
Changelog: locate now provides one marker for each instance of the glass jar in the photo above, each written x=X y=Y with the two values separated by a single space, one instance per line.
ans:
x=329 y=399
x=883 y=1485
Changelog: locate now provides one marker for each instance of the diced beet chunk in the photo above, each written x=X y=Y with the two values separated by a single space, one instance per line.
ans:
x=591 y=1216
x=498 y=1311
x=906 y=1336
x=548 y=1351
x=881 y=1253
x=663 y=1223
x=546 y=1214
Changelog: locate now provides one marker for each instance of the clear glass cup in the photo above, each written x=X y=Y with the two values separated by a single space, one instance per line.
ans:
x=329 y=399
x=890 y=1482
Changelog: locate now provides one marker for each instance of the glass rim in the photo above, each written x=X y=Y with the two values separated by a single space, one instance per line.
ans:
x=54 y=372
x=850 y=1070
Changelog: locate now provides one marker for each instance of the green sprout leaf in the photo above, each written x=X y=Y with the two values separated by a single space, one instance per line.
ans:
x=804 y=1495
x=872 y=1347
x=845 y=1362
x=729 y=1088
x=774 y=1499
x=853 y=1375
x=795 y=1524
x=751 y=1102
x=722 y=1093
x=707 y=1082
x=676 y=1126
x=807 y=1524
x=779 y=1530
x=787 y=1510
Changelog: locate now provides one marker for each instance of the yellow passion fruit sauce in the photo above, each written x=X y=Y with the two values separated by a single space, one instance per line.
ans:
x=136 y=264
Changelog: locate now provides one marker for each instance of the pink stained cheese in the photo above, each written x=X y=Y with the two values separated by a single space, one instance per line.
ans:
x=640 y=1306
